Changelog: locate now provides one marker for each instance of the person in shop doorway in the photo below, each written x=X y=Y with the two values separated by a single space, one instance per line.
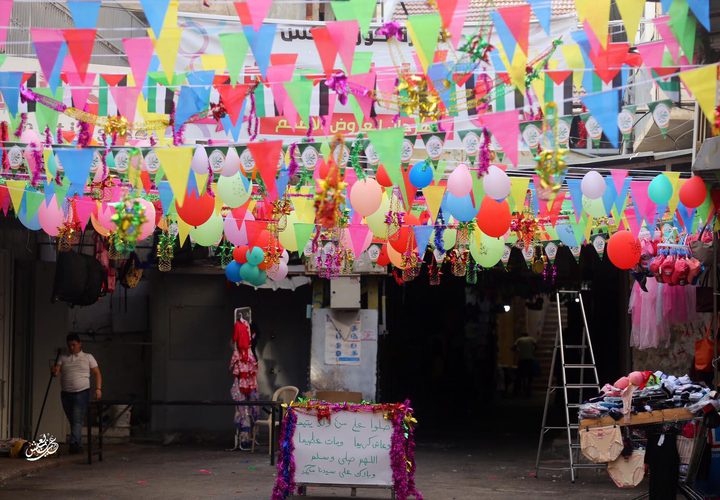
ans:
x=525 y=347
x=74 y=369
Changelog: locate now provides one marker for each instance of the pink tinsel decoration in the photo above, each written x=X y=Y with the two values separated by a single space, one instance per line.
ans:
x=38 y=161
x=293 y=167
x=253 y=121
x=5 y=160
x=4 y=131
x=58 y=134
x=21 y=125
x=178 y=136
x=484 y=160
x=48 y=136
x=208 y=186
x=338 y=82
x=153 y=141
x=84 y=135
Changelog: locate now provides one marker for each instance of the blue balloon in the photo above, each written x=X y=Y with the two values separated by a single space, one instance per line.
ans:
x=33 y=224
x=249 y=273
x=262 y=278
x=255 y=256
x=421 y=175
x=232 y=272
x=461 y=208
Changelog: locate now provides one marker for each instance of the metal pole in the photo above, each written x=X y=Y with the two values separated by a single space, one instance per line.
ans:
x=47 y=391
x=714 y=300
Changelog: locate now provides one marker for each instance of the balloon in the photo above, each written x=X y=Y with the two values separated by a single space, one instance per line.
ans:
x=382 y=177
x=596 y=208
x=461 y=208
x=32 y=224
x=209 y=233
x=261 y=279
x=494 y=217
x=255 y=256
x=105 y=213
x=593 y=185
x=278 y=272
x=376 y=221
x=287 y=235
x=395 y=257
x=232 y=272
x=366 y=196
x=234 y=190
x=496 y=183
x=401 y=239
x=660 y=190
x=263 y=239
x=149 y=225
x=50 y=217
x=459 y=183
x=693 y=192
x=200 y=162
x=236 y=235
x=383 y=258
x=622 y=383
x=449 y=238
x=239 y=254
x=421 y=175
x=486 y=251
x=196 y=210
x=623 y=250
x=232 y=164
x=285 y=256
x=249 y=273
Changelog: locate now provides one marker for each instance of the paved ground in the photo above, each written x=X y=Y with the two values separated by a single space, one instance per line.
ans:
x=492 y=458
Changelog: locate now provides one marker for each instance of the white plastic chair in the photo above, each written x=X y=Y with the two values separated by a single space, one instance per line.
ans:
x=285 y=394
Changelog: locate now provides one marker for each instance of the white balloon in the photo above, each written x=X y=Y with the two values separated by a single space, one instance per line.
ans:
x=278 y=272
x=285 y=256
x=593 y=185
x=200 y=161
x=496 y=183
x=232 y=163
x=460 y=181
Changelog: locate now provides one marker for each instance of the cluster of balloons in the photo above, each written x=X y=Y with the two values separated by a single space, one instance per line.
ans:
x=249 y=265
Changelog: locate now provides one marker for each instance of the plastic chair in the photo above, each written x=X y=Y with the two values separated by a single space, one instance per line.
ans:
x=285 y=394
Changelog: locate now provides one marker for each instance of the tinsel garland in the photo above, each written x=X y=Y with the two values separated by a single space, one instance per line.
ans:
x=484 y=159
x=58 y=134
x=208 y=183
x=48 y=137
x=355 y=160
x=3 y=131
x=84 y=136
x=439 y=232
x=293 y=167
x=38 y=164
x=5 y=160
x=21 y=125
x=253 y=124
x=285 y=482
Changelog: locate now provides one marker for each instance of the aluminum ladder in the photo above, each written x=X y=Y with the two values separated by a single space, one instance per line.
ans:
x=577 y=377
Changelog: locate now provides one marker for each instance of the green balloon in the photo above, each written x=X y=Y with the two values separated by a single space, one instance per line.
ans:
x=208 y=233
x=485 y=250
x=596 y=208
x=449 y=238
x=660 y=189
x=376 y=221
x=250 y=273
x=234 y=190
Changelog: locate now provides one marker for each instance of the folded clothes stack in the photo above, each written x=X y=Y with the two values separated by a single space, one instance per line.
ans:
x=649 y=391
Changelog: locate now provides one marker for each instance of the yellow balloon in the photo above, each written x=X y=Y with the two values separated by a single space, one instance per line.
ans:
x=395 y=257
x=208 y=233
x=287 y=237
x=486 y=250
x=233 y=190
x=596 y=208
x=376 y=221
x=449 y=238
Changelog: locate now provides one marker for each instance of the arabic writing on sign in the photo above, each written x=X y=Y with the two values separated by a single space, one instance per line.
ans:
x=43 y=447
x=350 y=448
x=367 y=39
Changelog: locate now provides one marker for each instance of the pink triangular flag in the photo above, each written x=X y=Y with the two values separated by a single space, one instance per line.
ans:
x=661 y=24
x=5 y=13
x=633 y=222
x=258 y=10
x=458 y=21
x=365 y=100
x=277 y=75
x=504 y=126
x=618 y=177
x=80 y=43
x=640 y=197
x=517 y=19
x=84 y=207
x=652 y=53
x=80 y=88
x=344 y=34
x=139 y=52
x=126 y=100
x=325 y=47
x=47 y=44
x=358 y=237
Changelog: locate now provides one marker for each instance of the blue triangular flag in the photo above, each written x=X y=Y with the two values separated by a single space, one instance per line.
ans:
x=155 y=11
x=49 y=190
x=234 y=130
x=497 y=62
x=506 y=37
x=166 y=195
x=422 y=237
x=609 y=195
x=201 y=82
x=581 y=39
x=566 y=234
x=603 y=106
x=10 y=88
x=543 y=11
x=534 y=199
x=575 y=190
x=282 y=181
x=701 y=9
x=439 y=73
x=666 y=5
x=192 y=187
x=261 y=42
x=84 y=12
x=54 y=81
x=687 y=216
x=186 y=106
x=76 y=163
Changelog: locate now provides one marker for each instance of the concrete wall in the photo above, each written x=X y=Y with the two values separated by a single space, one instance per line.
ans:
x=192 y=325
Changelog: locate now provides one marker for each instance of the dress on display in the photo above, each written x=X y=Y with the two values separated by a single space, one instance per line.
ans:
x=244 y=367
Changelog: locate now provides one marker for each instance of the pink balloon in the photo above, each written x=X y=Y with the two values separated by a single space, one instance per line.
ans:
x=232 y=163
x=200 y=162
x=366 y=196
x=105 y=212
x=278 y=272
x=460 y=181
x=236 y=235
x=51 y=217
x=149 y=225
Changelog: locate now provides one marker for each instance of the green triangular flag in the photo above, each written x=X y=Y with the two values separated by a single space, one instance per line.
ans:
x=361 y=62
x=47 y=117
x=2 y=59
x=683 y=26
x=235 y=47
x=32 y=203
x=360 y=10
x=325 y=150
x=161 y=78
x=61 y=191
x=478 y=190
x=388 y=146
x=299 y=92
x=357 y=111
x=16 y=189
x=439 y=171
x=303 y=231
x=579 y=229
x=424 y=30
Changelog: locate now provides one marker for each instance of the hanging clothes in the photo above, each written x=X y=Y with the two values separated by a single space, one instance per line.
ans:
x=244 y=367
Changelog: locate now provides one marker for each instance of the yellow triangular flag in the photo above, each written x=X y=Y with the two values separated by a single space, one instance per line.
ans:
x=46 y=161
x=175 y=162
x=631 y=11
x=574 y=60
x=538 y=85
x=518 y=191
x=218 y=200
x=183 y=230
x=171 y=14
x=675 y=199
x=166 y=48
x=201 y=182
x=433 y=199
x=518 y=70
x=702 y=84
x=597 y=14
x=305 y=209
x=17 y=190
x=214 y=62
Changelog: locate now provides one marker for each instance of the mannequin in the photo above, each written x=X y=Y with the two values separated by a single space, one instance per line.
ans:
x=243 y=366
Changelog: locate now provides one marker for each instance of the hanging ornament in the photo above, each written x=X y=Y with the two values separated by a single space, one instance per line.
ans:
x=225 y=251
x=551 y=165
x=165 y=250
x=331 y=192
x=70 y=231
x=129 y=217
x=477 y=48
x=434 y=272
x=458 y=262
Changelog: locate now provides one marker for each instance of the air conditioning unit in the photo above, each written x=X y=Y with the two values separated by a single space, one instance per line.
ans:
x=345 y=293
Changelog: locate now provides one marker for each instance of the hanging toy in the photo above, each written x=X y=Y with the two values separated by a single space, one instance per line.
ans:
x=165 y=251
x=551 y=165
x=129 y=217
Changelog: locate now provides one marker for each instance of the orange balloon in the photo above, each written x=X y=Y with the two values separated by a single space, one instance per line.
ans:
x=401 y=239
x=196 y=210
x=382 y=177
x=239 y=254
x=263 y=266
x=693 y=192
x=623 y=250
x=383 y=259
x=494 y=217
x=395 y=257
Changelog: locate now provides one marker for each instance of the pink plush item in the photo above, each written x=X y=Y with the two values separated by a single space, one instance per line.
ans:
x=680 y=273
x=655 y=265
x=637 y=378
x=622 y=382
x=695 y=269
x=667 y=268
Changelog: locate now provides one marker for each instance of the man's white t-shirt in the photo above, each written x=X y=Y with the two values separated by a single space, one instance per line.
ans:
x=75 y=372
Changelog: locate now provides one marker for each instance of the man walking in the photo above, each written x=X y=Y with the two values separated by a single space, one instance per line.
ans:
x=74 y=369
